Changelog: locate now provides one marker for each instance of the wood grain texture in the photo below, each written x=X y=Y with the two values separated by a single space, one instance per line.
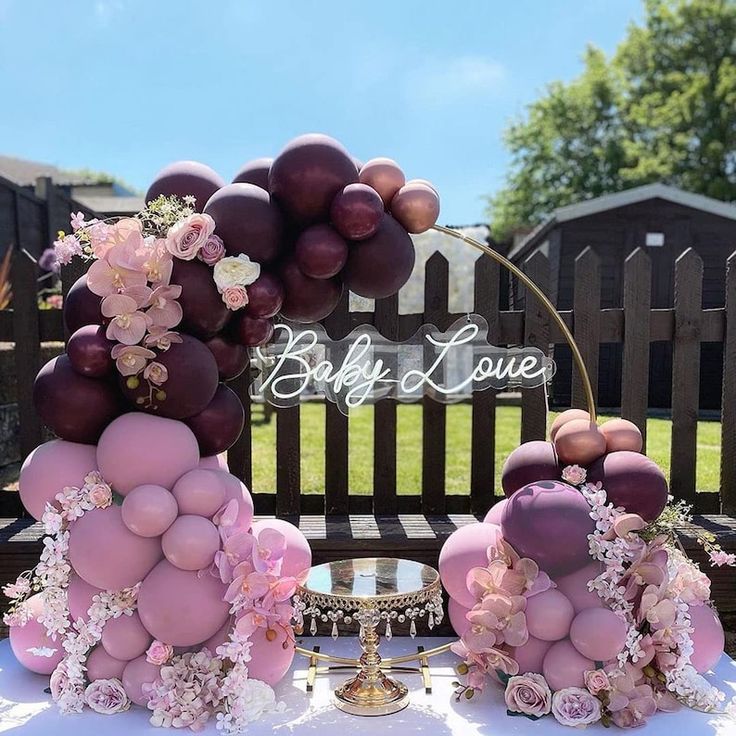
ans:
x=586 y=322
x=728 y=401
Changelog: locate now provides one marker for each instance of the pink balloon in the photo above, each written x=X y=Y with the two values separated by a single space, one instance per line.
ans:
x=564 y=666
x=105 y=553
x=136 y=673
x=708 y=638
x=79 y=594
x=49 y=468
x=101 y=666
x=190 y=542
x=494 y=514
x=456 y=613
x=530 y=656
x=32 y=635
x=200 y=492
x=125 y=637
x=270 y=661
x=465 y=548
x=598 y=633
x=575 y=587
x=215 y=462
x=137 y=449
x=149 y=510
x=298 y=556
x=220 y=637
x=235 y=489
x=549 y=615
x=180 y=607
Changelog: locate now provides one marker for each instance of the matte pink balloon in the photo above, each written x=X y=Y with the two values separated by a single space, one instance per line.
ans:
x=416 y=206
x=494 y=514
x=220 y=637
x=457 y=613
x=32 y=635
x=549 y=615
x=182 y=178
x=140 y=449
x=528 y=463
x=214 y=462
x=200 y=492
x=465 y=548
x=104 y=552
x=125 y=637
x=564 y=666
x=149 y=510
x=270 y=660
x=575 y=587
x=708 y=638
x=80 y=594
x=101 y=666
x=384 y=175
x=598 y=633
x=530 y=656
x=621 y=434
x=180 y=607
x=235 y=489
x=298 y=556
x=136 y=673
x=565 y=417
x=49 y=468
x=190 y=542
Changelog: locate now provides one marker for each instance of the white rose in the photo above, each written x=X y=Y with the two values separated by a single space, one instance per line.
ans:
x=235 y=271
x=257 y=698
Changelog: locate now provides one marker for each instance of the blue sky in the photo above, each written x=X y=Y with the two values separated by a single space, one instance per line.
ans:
x=126 y=86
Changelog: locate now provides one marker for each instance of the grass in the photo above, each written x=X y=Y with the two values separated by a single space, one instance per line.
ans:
x=409 y=451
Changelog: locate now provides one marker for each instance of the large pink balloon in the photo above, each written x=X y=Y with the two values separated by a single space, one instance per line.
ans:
x=495 y=512
x=135 y=675
x=49 y=468
x=530 y=656
x=465 y=548
x=457 y=614
x=138 y=449
x=708 y=638
x=200 y=492
x=549 y=615
x=598 y=633
x=575 y=587
x=236 y=490
x=220 y=637
x=32 y=635
x=125 y=637
x=104 y=552
x=79 y=595
x=270 y=660
x=298 y=556
x=180 y=607
x=190 y=542
x=183 y=178
x=564 y=666
x=101 y=666
x=529 y=463
x=149 y=510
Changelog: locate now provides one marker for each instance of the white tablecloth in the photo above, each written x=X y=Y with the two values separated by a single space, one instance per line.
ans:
x=25 y=710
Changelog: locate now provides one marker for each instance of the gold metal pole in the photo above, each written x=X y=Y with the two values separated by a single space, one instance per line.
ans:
x=388 y=662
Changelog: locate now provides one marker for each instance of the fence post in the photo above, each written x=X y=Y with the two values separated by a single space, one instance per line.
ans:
x=240 y=455
x=728 y=397
x=587 y=322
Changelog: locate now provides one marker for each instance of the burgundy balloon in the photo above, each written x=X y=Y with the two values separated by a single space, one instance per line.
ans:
x=219 y=425
x=252 y=331
x=307 y=174
x=356 y=211
x=320 y=252
x=384 y=175
x=416 y=206
x=74 y=407
x=380 y=265
x=81 y=306
x=265 y=296
x=529 y=462
x=254 y=172
x=247 y=221
x=190 y=386
x=307 y=299
x=89 y=352
x=231 y=358
x=183 y=178
x=205 y=314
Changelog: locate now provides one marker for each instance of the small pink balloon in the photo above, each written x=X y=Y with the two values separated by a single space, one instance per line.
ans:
x=32 y=635
x=106 y=554
x=235 y=489
x=101 y=666
x=298 y=556
x=530 y=656
x=564 y=666
x=181 y=607
x=564 y=418
x=621 y=434
x=598 y=633
x=149 y=510
x=200 y=492
x=575 y=587
x=190 y=542
x=465 y=548
x=125 y=637
x=49 y=468
x=494 y=514
x=215 y=462
x=137 y=673
x=549 y=615
x=80 y=594
x=137 y=449
x=708 y=638
x=270 y=660
x=219 y=638
x=457 y=613
x=579 y=442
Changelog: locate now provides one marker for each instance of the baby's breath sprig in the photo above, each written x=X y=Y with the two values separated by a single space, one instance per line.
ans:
x=163 y=212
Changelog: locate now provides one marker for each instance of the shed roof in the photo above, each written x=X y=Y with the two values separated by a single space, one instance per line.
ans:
x=24 y=173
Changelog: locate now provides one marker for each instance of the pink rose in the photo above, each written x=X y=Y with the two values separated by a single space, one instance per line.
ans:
x=574 y=475
x=159 y=653
x=528 y=694
x=156 y=373
x=106 y=696
x=573 y=706
x=100 y=495
x=212 y=251
x=59 y=681
x=185 y=239
x=235 y=297
x=597 y=681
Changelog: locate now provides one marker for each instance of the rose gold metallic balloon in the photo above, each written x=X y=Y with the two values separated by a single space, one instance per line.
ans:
x=564 y=418
x=416 y=206
x=384 y=175
x=579 y=442
x=621 y=434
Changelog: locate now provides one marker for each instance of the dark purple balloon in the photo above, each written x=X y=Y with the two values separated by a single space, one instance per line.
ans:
x=191 y=383
x=357 y=211
x=74 y=407
x=232 y=358
x=254 y=172
x=89 y=352
x=183 y=178
x=265 y=296
x=307 y=299
x=81 y=306
x=247 y=221
x=529 y=462
x=205 y=314
x=380 y=265
x=252 y=331
x=219 y=425
x=321 y=252
x=307 y=174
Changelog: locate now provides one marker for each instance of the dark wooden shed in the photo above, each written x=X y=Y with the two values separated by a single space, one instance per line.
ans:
x=664 y=220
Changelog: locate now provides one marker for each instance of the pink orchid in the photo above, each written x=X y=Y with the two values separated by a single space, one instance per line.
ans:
x=657 y=609
x=501 y=614
x=164 y=310
x=623 y=525
x=156 y=373
x=650 y=568
x=127 y=325
x=249 y=587
x=256 y=618
x=161 y=338
x=119 y=269
x=157 y=261
x=130 y=360
x=141 y=294
x=270 y=548
x=488 y=661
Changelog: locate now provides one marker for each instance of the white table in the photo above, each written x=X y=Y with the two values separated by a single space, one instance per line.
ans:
x=25 y=710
